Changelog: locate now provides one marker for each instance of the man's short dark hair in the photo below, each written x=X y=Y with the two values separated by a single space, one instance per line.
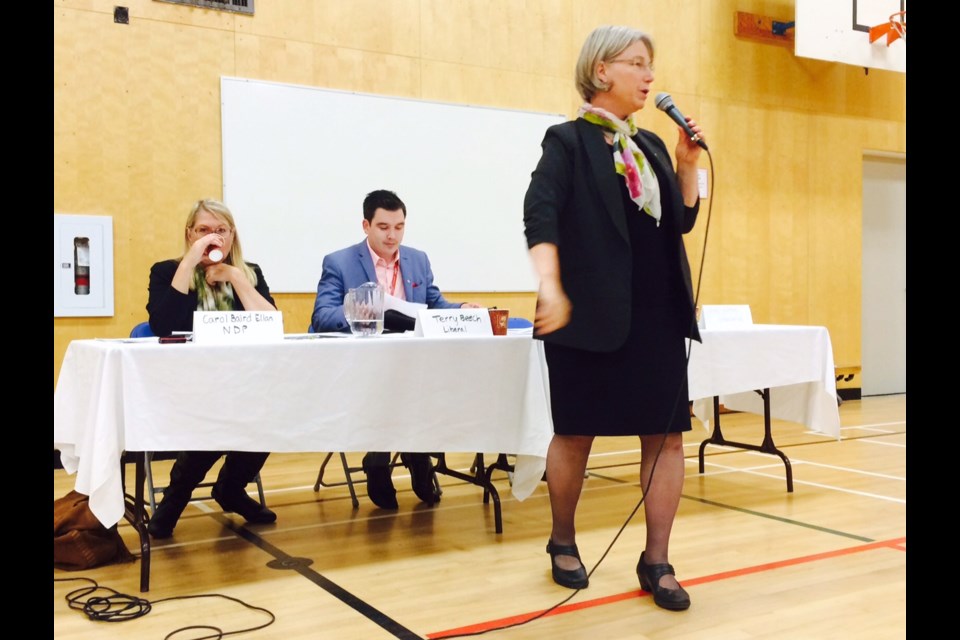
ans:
x=382 y=199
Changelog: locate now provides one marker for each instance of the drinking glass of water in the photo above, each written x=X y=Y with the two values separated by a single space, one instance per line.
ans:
x=363 y=308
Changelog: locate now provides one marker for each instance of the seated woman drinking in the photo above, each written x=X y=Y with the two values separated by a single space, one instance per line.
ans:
x=211 y=275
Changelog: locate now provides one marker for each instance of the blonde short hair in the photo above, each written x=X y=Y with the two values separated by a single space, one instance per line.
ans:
x=604 y=43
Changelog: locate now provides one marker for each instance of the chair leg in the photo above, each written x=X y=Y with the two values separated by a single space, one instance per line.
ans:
x=151 y=491
x=347 y=473
x=323 y=467
x=436 y=480
x=263 y=499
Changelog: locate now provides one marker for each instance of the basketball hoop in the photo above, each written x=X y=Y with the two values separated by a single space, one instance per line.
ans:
x=895 y=28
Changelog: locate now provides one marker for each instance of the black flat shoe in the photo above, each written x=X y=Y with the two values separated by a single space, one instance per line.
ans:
x=569 y=578
x=164 y=519
x=380 y=486
x=158 y=529
x=243 y=505
x=650 y=574
x=421 y=476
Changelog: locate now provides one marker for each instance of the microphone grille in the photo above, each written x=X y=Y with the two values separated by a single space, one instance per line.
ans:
x=663 y=101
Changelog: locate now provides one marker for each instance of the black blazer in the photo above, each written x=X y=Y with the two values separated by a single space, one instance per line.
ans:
x=574 y=202
x=171 y=310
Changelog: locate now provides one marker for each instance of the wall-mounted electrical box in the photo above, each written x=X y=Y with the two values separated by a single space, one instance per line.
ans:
x=82 y=265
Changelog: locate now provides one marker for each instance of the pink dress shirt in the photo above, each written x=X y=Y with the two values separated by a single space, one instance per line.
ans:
x=388 y=274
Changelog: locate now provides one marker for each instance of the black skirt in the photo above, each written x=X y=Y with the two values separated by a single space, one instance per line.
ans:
x=641 y=388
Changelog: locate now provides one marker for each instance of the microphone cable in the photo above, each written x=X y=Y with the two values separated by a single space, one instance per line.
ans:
x=643 y=497
x=120 y=607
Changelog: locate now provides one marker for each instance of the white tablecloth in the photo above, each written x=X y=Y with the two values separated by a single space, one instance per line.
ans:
x=794 y=362
x=395 y=393
x=389 y=393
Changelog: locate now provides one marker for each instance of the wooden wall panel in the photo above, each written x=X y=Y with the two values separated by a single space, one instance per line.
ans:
x=383 y=26
x=153 y=11
x=320 y=65
x=501 y=34
x=445 y=82
x=137 y=125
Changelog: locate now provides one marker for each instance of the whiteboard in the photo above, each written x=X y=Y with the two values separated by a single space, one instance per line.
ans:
x=298 y=161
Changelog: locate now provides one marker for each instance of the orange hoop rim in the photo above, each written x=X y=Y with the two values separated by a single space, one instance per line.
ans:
x=898 y=22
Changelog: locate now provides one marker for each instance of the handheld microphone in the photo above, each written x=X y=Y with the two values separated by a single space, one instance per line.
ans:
x=665 y=103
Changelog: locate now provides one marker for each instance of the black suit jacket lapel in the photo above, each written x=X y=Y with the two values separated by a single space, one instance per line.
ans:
x=599 y=154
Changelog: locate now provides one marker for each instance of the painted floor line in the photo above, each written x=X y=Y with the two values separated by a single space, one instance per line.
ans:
x=859 y=472
x=776 y=518
x=358 y=604
x=727 y=470
x=639 y=593
x=807 y=483
x=886 y=444
x=876 y=426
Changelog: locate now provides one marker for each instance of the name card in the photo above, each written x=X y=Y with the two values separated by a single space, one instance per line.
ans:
x=725 y=316
x=234 y=327
x=447 y=323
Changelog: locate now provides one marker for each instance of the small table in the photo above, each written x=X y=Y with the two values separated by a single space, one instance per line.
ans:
x=778 y=371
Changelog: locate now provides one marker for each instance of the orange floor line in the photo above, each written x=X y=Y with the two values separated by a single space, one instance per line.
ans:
x=896 y=543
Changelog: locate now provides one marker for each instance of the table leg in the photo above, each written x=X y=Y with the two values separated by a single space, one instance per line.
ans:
x=480 y=478
x=136 y=515
x=767 y=446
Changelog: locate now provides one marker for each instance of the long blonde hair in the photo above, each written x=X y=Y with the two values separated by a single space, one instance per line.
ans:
x=220 y=211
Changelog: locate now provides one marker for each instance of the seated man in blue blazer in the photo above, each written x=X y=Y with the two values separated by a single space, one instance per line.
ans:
x=404 y=274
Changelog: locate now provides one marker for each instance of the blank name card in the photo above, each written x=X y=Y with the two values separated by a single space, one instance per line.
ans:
x=725 y=316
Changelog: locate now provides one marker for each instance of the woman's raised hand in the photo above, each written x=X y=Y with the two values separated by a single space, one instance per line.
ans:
x=688 y=151
x=553 y=309
x=200 y=248
x=220 y=272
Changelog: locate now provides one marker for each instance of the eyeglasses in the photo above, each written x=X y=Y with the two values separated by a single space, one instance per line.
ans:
x=639 y=63
x=220 y=231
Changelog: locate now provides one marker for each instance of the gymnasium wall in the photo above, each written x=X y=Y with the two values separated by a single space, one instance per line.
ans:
x=137 y=126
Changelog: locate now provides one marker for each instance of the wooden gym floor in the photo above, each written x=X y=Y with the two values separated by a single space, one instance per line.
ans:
x=827 y=561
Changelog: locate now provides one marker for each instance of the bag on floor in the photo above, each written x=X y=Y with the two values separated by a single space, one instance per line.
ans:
x=80 y=541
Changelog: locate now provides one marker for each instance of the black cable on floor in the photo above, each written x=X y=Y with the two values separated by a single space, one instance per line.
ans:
x=120 y=607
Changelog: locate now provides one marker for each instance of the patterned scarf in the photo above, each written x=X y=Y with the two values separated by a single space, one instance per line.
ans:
x=217 y=298
x=628 y=159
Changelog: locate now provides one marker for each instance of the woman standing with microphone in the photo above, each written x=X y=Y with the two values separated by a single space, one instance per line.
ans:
x=604 y=216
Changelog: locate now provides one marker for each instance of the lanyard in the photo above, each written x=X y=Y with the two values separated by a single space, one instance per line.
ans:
x=396 y=271
x=393 y=284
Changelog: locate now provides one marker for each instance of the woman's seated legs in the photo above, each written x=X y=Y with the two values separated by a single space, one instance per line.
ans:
x=188 y=471
x=230 y=491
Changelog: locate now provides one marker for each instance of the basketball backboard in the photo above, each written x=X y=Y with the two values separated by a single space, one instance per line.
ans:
x=839 y=31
